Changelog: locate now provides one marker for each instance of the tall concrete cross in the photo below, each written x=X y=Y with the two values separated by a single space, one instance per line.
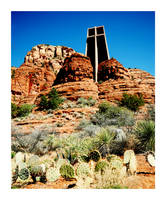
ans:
x=96 y=48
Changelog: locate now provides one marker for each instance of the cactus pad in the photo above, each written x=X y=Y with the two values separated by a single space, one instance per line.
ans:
x=67 y=171
x=83 y=169
x=101 y=166
x=95 y=155
x=34 y=161
x=23 y=174
x=52 y=174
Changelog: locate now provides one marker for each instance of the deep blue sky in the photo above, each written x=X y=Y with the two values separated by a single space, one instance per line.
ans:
x=130 y=35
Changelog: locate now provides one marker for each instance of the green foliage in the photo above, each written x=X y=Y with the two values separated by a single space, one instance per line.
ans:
x=145 y=131
x=21 y=111
x=86 y=102
x=51 y=101
x=23 y=174
x=132 y=102
x=13 y=154
x=13 y=74
x=95 y=155
x=109 y=115
x=43 y=103
x=151 y=112
x=14 y=110
x=67 y=171
x=36 y=171
x=24 y=110
x=101 y=166
x=104 y=107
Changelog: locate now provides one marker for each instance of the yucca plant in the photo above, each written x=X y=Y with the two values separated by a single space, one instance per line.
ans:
x=103 y=139
x=146 y=134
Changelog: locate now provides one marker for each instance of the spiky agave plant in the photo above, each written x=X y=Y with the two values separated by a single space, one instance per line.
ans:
x=146 y=134
x=103 y=139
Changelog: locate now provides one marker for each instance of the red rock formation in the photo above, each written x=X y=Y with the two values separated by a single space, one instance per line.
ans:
x=140 y=82
x=112 y=69
x=38 y=72
x=76 y=68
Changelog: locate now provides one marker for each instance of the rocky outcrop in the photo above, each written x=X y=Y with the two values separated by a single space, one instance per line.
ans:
x=71 y=73
x=76 y=68
x=38 y=72
x=74 y=90
x=138 y=82
x=112 y=69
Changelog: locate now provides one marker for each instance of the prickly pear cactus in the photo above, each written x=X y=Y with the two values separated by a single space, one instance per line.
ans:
x=127 y=156
x=22 y=165
x=34 y=161
x=83 y=169
x=36 y=171
x=15 y=175
x=19 y=157
x=23 y=174
x=130 y=161
x=95 y=155
x=61 y=162
x=67 y=171
x=116 y=162
x=85 y=158
x=150 y=158
x=52 y=174
x=101 y=166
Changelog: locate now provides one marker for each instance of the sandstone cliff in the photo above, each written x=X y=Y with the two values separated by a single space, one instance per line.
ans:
x=71 y=73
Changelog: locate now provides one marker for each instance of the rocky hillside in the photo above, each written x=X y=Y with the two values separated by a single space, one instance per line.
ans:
x=71 y=73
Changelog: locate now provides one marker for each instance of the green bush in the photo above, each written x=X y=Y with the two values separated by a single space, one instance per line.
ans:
x=14 y=110
x=113 y=115
x=104 y=107
x=51 y=101
x=24 y=110
x=151 y=113
x=86 y=102
x=132 y=102
x=145 y=131
x=21 y=111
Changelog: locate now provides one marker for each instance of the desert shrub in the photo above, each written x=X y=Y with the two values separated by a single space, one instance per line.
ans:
x=24 y=110
x=145 y=131
x=14 y=110
x=83 y=124
x=151 y=112
x=132 y=102
x=109 y=115
x=104 y=107
x=43 y=103
x=21 y=111
x=51 y=101
x=86 y=102
x=34 y=142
